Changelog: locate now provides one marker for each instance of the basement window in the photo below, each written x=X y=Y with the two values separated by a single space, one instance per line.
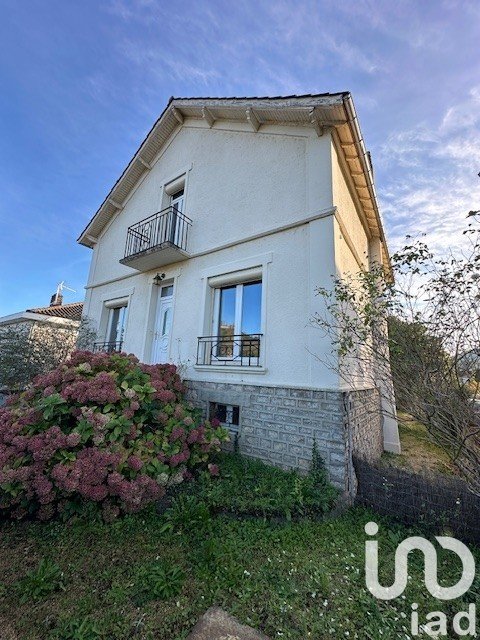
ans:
x=227 y=414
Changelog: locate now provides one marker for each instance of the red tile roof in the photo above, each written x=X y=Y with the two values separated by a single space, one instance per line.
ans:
x=71 y=311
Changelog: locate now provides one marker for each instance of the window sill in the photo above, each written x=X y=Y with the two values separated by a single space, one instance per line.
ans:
x=230 y=369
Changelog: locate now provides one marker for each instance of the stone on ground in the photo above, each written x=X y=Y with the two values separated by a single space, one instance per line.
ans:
x=216 y=624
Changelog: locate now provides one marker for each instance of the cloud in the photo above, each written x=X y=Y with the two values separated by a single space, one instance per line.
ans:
x=431 y=178
x=352 y=56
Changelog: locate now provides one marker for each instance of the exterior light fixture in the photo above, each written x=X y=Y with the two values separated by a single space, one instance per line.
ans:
x=158 y=279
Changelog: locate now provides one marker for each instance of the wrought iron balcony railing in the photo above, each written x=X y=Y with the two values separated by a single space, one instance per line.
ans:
x=242 y=350
x=107 y=347
x=167 y=228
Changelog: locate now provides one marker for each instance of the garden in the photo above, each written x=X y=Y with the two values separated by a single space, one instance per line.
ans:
x=121 y=517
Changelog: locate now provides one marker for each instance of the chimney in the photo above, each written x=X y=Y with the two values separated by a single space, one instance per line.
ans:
x=56 y=299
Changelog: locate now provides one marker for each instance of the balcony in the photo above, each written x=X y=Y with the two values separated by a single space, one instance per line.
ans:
x=158 y=240
x=107 y=347
x=230 y=350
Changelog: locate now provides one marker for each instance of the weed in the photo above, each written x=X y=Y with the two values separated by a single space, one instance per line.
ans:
x=41 y=582
x=157 y=582
x=77 y=629
x=186 y=513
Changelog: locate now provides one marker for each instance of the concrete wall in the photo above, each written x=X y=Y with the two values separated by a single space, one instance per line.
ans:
x=290 y=269
x=351 y=241
x=363 y=417
x=29 y=347
x=279 y=424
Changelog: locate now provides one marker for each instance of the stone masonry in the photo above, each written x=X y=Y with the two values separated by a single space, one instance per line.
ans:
x=363 y=430
x=363 y=415
x=279 y=424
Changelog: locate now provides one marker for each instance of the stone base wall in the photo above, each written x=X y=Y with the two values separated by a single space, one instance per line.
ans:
x=363 y=431
x=279 y=424
x=364 y=417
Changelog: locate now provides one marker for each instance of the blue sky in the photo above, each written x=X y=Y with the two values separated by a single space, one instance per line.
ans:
x=81 y=83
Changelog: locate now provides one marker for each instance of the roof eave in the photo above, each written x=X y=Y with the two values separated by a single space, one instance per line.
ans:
x=367 y=169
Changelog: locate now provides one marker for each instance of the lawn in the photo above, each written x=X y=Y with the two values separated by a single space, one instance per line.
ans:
x=152 y=575
x=419 y=453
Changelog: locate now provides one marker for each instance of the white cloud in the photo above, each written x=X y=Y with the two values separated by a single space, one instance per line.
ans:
x=431 y=177
x=351 y=56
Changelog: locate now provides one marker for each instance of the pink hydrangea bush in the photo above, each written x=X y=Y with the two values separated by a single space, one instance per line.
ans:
x=100 y=428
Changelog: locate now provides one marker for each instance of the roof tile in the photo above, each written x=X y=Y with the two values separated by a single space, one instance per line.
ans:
x=71 y=311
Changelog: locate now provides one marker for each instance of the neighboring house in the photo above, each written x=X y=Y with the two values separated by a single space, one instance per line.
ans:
x=207 y=253
x=35 y=340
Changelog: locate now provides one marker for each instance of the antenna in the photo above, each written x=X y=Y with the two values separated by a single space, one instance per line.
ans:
x=62 y=286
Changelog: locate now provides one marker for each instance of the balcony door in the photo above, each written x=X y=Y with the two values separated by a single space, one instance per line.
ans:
x=176 y=202
x=163 y=326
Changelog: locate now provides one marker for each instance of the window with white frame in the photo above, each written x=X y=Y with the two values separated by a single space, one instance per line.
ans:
x=176 y=200
x=116 y=324
x=174 y=194
x=114 y=327
x=237 y=322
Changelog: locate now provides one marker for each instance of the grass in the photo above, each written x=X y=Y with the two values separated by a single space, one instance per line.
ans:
x=251 y=488
x=419 y=453
x=140 y=578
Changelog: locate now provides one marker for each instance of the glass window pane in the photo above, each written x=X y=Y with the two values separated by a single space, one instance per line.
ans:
x=228 y=415
x=177 y=201
x=167 y=291
x=117 y=326
x=115 y=315
x=121 y=324
x=252 y=308
x=167 y=322
x=226 y=325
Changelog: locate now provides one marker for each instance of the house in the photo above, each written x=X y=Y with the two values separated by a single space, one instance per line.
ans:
x=36 y=340
x=207 y=253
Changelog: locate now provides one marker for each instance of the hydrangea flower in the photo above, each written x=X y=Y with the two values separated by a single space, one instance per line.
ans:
x=81 y=447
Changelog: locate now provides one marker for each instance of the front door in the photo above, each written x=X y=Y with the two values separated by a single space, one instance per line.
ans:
x=163 y=325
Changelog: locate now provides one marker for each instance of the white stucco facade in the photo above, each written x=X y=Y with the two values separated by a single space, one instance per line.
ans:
x=248 y=196
x=272 y=202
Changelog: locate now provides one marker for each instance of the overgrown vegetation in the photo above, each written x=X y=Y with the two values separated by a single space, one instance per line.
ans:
x=248 y=487
x=99 y=431
x=432 y=306
x=40 y=582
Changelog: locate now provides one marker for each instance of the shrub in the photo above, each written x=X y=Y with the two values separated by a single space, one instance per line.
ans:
x=100 y=429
